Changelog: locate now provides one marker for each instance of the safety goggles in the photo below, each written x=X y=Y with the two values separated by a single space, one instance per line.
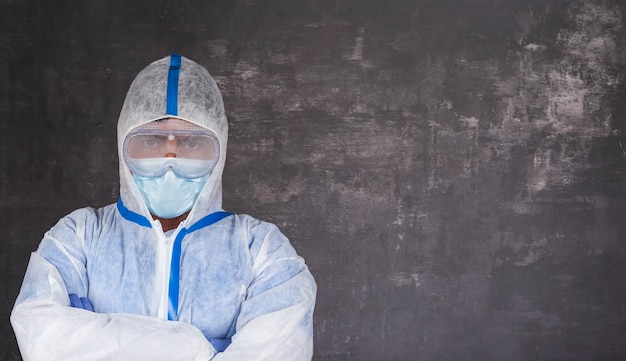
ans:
x=150 y=152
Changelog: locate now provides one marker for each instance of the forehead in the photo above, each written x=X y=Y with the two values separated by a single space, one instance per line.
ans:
x=170 y=124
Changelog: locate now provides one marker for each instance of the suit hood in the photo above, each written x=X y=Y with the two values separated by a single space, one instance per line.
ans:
x=174 y=87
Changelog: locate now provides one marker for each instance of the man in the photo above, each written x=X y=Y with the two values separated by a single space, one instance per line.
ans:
x=166 y=274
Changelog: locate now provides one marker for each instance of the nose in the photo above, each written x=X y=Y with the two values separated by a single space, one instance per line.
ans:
x=170 y=147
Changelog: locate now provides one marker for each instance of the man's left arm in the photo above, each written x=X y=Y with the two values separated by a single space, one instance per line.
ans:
x=276 y=319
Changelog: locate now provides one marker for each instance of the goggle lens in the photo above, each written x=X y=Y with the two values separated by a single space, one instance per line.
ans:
x=189 y=154
x=158 y=145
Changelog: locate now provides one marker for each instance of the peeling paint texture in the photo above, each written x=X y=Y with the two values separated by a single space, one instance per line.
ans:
x=451 y=170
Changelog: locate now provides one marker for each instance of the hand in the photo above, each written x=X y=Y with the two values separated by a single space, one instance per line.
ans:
x=80 y=302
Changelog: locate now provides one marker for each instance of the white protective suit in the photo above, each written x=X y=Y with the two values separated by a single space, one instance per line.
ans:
x=238 y=278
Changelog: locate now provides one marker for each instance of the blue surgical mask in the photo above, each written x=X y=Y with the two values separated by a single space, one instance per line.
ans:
x=169 y=195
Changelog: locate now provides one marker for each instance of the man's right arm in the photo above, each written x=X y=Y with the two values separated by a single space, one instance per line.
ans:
x=47 y=327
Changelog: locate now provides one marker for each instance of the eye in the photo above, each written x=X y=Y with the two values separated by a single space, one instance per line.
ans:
x=152 y=141
x=191 y=143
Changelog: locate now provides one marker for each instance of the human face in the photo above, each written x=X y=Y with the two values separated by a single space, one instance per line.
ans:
x=171 y=144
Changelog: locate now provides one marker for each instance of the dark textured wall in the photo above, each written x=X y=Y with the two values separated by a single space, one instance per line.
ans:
x=452 y=171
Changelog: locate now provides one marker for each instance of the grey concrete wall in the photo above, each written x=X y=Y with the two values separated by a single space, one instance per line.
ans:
x=451 y=170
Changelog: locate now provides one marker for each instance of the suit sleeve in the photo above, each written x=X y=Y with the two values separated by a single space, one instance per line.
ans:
x=276 y=319
x=47 y=328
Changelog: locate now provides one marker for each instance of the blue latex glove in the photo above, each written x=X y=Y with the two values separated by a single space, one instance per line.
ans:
x=80 y=302
x=220 y=344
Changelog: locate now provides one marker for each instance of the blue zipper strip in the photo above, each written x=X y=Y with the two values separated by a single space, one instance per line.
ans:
x=132 y=216
x=172 y=310
x=172 y=85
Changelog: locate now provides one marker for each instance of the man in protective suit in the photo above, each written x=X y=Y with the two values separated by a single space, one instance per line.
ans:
x=165 y=273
